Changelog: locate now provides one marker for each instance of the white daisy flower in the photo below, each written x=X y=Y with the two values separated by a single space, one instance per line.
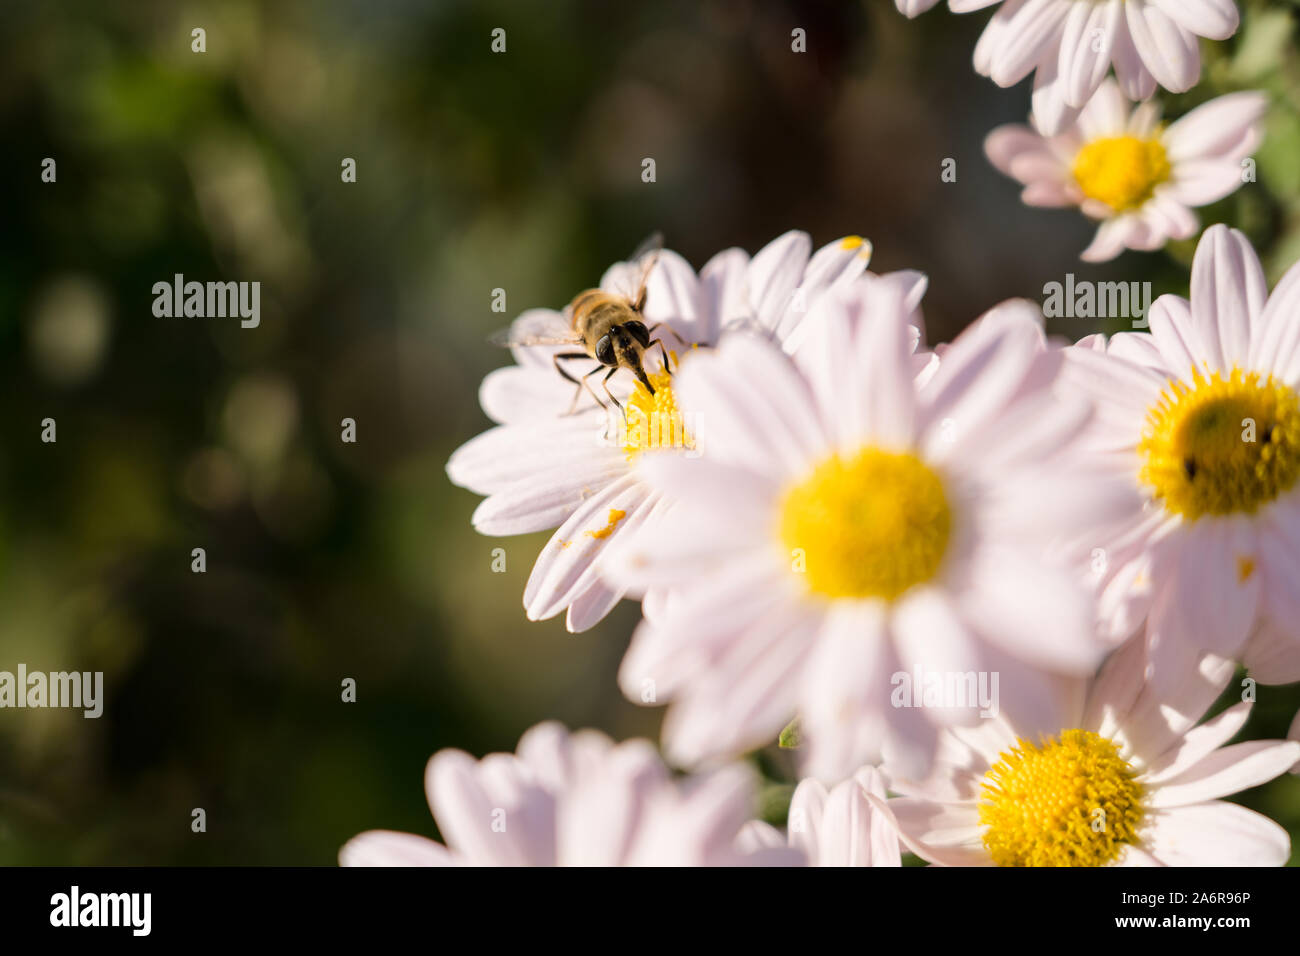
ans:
x=574 y=800
x=541 y=468
x=1072 y=45
x=1202 y=416
x=1119 y=165
x=835 y=827
x=845 y=525
x=1128 y=779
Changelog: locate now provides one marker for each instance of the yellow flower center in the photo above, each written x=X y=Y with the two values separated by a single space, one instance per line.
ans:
x=1074 y=801
x=1221 y=445
x=872 y=525
x=654 y=421
x=1121 y=171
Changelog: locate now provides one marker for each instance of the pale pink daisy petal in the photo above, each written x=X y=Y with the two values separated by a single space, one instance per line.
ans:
x=1198 y=744
x=1170 y=318
x=1215 y=19
x=576 y=800
x=1276 y=349
x=1086 y=45
x=1030 y=33
x=387 y=848
x=1174 y=817
x=1224 y=128
x=1228 y=295
x=914 y=8
x=1226 y=771
x=1051 y=114
x=1217 y=834
x=1169 y=51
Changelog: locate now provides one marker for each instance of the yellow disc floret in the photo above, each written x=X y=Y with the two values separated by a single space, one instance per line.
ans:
x=869 y=526
x=1121 y=171
x=1221 y=445
x=654 y=421
x=1073 y=801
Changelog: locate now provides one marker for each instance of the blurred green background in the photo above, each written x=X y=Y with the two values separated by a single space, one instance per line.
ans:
x=475 y=171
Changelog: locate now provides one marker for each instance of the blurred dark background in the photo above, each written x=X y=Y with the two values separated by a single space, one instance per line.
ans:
x=475 y=171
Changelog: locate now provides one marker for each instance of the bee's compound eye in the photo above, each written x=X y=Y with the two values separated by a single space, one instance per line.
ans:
x=605 y=351
x=639 y=332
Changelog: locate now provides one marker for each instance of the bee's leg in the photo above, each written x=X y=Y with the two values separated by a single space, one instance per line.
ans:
x=555 y=360
x=662 y=348
x=587 y=385
x=617 y=403
x=674 y=333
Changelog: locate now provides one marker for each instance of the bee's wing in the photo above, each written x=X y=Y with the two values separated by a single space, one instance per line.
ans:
x=650 y=247
x=644 y=260
x=538 y=328
x=629 y=278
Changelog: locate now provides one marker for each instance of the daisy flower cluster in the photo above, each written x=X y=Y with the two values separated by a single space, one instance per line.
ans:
x=887 y=551
x=1096 y=139
x=991 y=593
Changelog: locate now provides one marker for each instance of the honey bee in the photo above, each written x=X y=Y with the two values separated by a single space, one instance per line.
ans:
x=609 y=326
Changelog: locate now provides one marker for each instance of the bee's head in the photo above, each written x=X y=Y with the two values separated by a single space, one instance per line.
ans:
x=623 y=347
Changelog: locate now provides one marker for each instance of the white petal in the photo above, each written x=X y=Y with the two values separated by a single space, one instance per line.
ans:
x=723 y=294
x=1168 y=51
x=519 y=394
x=1205 y=603
x=1031 y=33
x=1177 y=693
x=1033 y=610
x=590 y=606
x=1113 y=237
x=1051 y=114
x=1135 y=80
x=844 y=690
x=914 y=8
x=1106 y=114
x=564 y=568
x=1226 y=771
x=943 y=835
x=1216 y=834
x=1228 y=295
x=464 y=813
x=1277 y=345
x=1086 y=47
x=804 y=820
x=1216 y=19
x=387 y=848
x=751 y=408
x=551 y=448
x=1170 y=318
x=991 y=39
x=1226 y=127
x=774 y=273
x=1015 y=149
x=979 y=373
x=1197 y=744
